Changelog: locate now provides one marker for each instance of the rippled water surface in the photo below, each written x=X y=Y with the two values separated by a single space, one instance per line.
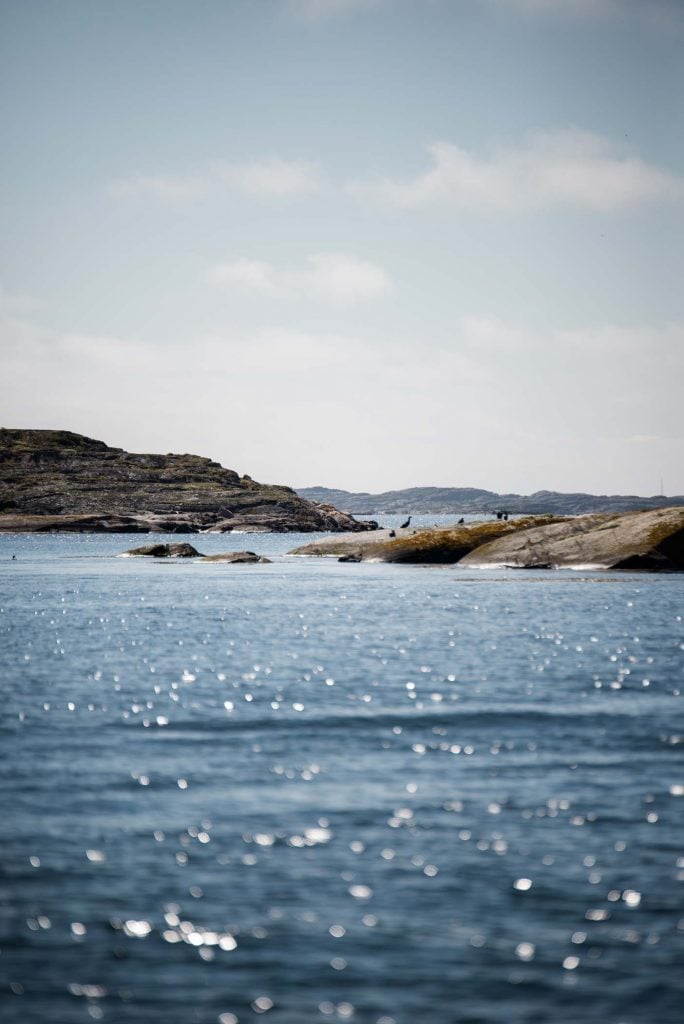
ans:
x=311 y=791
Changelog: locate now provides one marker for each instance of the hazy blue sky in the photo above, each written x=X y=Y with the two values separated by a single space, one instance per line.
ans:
x=359 y=243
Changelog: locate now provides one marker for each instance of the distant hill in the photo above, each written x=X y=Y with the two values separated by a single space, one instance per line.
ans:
x=473 y=500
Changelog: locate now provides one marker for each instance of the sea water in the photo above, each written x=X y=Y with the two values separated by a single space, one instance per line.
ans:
x=311 y=791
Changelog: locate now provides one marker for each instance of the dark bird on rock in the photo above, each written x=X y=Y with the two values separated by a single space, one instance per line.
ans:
x=404 y=525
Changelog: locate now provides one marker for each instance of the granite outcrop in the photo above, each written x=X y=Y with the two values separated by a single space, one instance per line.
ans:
x=651 y=541
x=56 y=480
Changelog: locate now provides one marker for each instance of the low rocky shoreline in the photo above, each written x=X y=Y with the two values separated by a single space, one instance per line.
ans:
x=316 y=519
x=651 y=541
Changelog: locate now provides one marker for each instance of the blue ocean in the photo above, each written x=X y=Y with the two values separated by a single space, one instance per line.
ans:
x=309 y=791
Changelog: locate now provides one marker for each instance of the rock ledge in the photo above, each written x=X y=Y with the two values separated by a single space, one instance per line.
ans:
x=650 y=541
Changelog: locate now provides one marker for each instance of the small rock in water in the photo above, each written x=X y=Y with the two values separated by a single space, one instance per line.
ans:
x=236 y=556
x=166 y=551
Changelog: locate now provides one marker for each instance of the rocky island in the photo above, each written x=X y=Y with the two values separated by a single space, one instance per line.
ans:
x=55 y=480
x=651 y=541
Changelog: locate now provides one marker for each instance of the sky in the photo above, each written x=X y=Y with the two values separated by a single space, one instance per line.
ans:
x=367 y=244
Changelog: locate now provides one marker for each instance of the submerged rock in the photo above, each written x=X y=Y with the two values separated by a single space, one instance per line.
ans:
x=236 y=557
x=166 y=551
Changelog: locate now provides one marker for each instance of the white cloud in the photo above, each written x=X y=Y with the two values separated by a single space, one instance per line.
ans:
x=254 y=275
x=267 y=177
x=273 y=177
x=563 y=167
x=498 y=404
x=334 y=276
x=316 y=9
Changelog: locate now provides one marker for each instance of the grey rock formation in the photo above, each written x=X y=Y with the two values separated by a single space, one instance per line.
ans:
x=633 y=541
x=165 y=551
x=344 y=544
x=650 y=541
x=438 y=545
x=52 y=480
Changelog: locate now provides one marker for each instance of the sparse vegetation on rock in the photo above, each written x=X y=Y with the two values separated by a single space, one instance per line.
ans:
x=633 y=541
x=437 y=545
x=53 y=480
